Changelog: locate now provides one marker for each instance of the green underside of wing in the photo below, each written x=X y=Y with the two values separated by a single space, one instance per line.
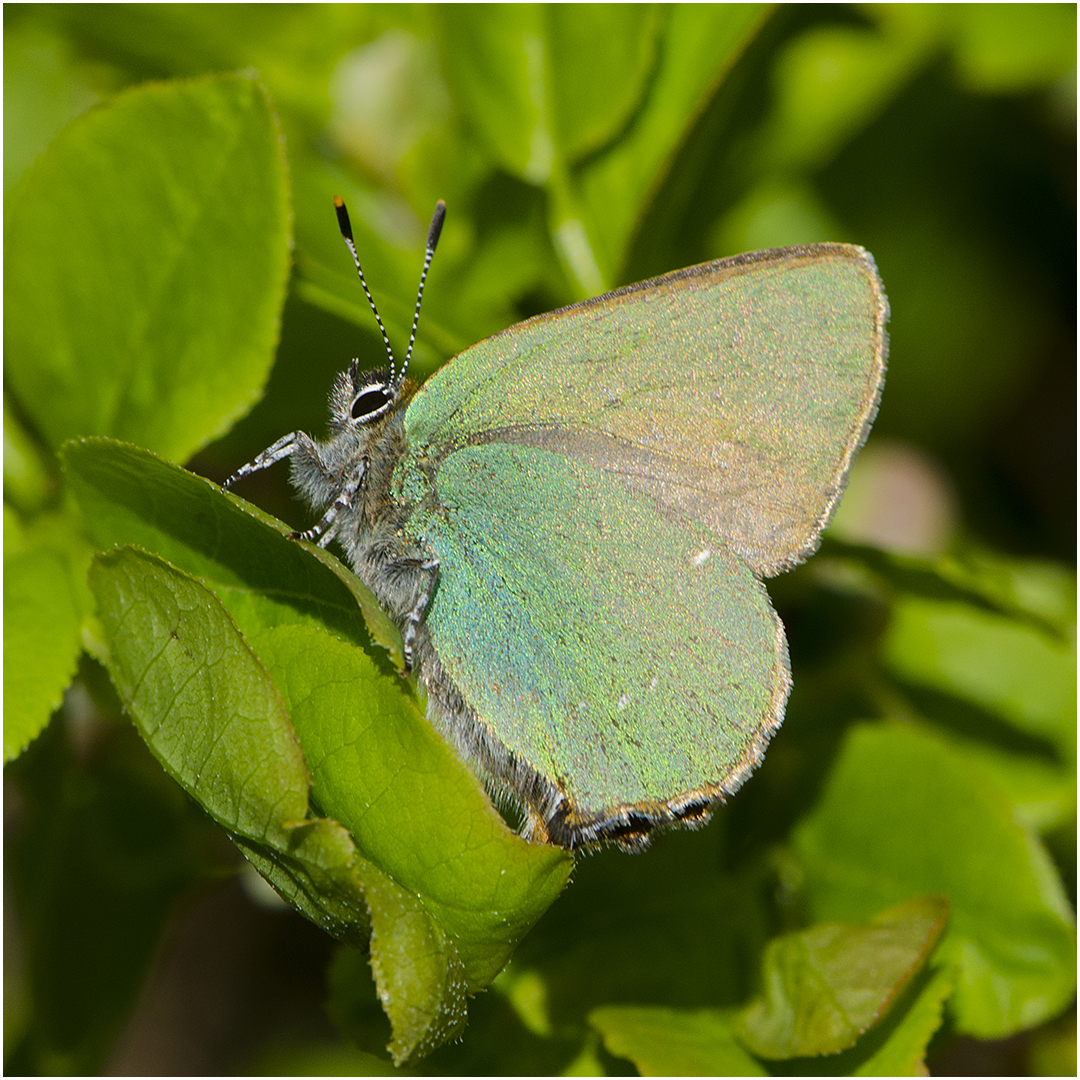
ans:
x=628 y=656
x=733 y=393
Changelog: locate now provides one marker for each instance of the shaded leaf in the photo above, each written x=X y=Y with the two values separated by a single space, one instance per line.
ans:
x=670 y=1042
x=313 y=866
x=904 y=1051
x=671 y=929
x=27 y=483
x=494 y=61
x=698 y=48
x=199 y=697
x=417 y=970
x=146 y=263
x=319 y=1059
x=100 y=849
x=830 y=82
x=903 y=814
x=1053 y=1049
x=1025 y=676
x=1035 y=587
x=826 y=985
x=416 y=967
x=587 y=1062
x=352 y=1000
x=1036 y=594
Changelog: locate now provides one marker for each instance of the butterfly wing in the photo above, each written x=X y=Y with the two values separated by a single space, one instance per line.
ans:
x=634 y=661
x=733 y=393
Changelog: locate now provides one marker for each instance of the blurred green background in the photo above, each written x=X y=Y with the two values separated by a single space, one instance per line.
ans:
x=579 y=149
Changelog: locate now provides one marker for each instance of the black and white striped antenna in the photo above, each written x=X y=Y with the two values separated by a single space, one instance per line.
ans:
x=434 y=230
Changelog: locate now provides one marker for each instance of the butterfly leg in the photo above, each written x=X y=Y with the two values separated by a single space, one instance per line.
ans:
x=428 y=574
x=328 y=525
x=283 y=448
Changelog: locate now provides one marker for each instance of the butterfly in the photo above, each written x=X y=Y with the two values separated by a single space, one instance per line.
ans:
x=571 y=521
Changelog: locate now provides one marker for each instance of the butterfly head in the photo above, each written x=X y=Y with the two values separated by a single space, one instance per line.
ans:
x=363 y=398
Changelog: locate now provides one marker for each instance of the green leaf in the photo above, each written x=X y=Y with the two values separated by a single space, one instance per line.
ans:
x=211 y=715
x=826 y=985
x=494 y=61
x=27 y=483
x=411 y=805
x=542 y=87
x=147 y=255
x=830 y=82
x=672 y=1042
x=599 y=58
x=698 y=49
x=1042 y=793
x=435 y=865
x=1005 y=47
x=903 y=1052
x=199 y=697
x=903 y=815
x=130 y=496
x=44 y=89
x=1023 y=675
x=41 y=642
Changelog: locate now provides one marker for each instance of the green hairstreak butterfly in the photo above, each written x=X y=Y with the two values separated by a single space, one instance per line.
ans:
x=571 y=521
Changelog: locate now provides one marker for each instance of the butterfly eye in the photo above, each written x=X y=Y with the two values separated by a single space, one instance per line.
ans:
x=370 y=403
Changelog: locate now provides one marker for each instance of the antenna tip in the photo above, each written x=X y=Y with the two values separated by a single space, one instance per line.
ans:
x=435 y=228
x=343 y=217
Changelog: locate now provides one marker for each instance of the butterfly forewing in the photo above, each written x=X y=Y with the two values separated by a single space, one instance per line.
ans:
x=733 y=393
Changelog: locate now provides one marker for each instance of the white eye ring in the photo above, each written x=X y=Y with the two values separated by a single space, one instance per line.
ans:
x=371 y=402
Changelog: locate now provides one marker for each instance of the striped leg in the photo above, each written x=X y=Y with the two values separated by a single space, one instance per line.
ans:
x=283 y=448
x=412 y=620
x=328 y=525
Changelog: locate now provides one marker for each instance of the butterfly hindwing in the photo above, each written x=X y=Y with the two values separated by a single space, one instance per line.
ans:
x=626 y=654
